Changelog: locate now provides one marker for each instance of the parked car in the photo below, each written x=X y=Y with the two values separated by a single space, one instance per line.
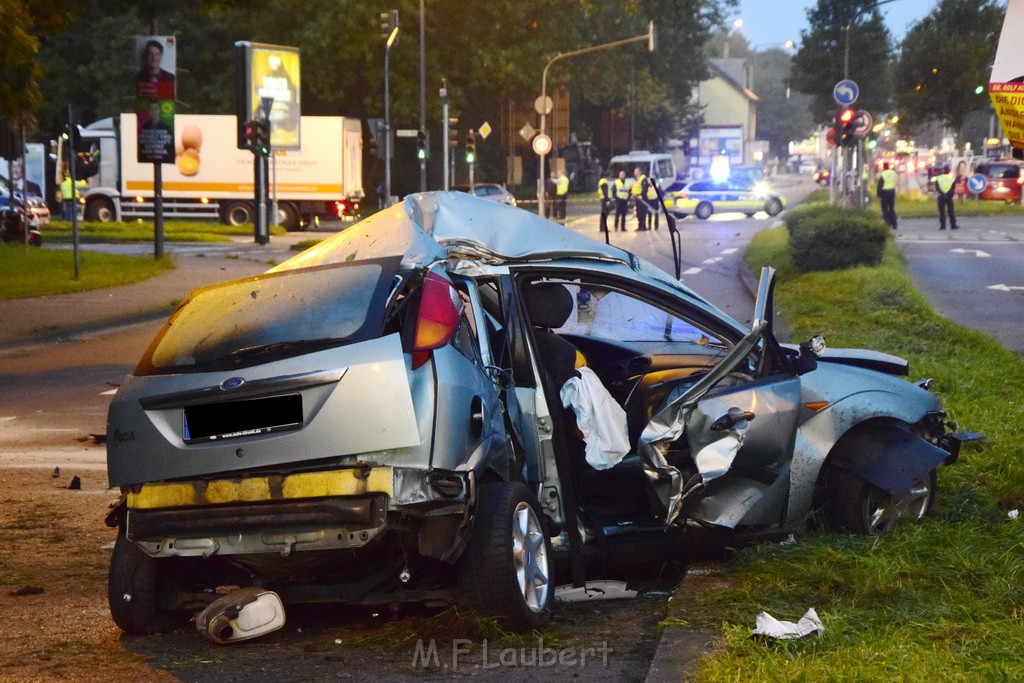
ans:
x=491 y=191
x=38 y=211
x=701 y=198
x=822 y=177
x=380 y=419
x=1004 y=180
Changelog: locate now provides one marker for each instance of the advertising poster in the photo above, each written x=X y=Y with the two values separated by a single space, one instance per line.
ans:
x=274 y=73
x=155 y=90
x=1006 y=86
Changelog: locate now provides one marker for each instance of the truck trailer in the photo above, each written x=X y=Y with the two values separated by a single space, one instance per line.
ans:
x=212 y=178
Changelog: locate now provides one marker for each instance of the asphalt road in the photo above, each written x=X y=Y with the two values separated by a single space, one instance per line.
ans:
x=974 y=276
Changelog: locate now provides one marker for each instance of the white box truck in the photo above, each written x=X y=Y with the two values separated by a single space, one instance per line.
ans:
x=212 y=178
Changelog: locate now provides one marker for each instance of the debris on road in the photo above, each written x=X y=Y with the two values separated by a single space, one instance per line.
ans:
x=768 y=626
x=594 y=590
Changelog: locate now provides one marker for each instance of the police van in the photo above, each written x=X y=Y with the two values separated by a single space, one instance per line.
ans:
x=660 y=166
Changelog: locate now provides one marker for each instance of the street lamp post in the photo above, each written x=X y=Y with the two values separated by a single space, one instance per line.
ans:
x=649 y=37
x=387 y=108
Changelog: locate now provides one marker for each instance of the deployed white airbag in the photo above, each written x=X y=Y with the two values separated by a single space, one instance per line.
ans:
x=601 y=419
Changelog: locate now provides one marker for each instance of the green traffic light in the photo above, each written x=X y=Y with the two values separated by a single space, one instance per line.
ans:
x=421 y=154
x=978 y=90
x=470 y=158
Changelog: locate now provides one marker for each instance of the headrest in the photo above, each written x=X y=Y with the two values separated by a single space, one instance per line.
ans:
x=549 y=304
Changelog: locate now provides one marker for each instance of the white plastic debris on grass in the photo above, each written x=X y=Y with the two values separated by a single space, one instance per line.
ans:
x=768 y=626
x=594 y=590
x=1013 y=514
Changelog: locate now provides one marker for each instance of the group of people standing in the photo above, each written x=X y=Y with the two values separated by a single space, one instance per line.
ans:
x=946 y=184
x=617 y=194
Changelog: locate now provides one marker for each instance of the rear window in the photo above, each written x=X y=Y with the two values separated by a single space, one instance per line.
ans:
x=273 y=316
x=1003 y=171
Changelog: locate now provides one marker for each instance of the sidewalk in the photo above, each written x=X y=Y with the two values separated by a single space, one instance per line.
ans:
x=43 y=319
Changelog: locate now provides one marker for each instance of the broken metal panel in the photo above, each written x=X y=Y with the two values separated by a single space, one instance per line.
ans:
x=729 y=501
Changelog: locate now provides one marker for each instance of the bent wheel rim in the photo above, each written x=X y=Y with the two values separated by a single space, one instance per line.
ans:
x=530 y=555
x=883 y=511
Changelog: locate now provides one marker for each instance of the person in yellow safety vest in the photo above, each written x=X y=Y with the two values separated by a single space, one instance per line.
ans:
x=887 y=194
x=604 y=194
x=637 y=190
x=653 y=204
x=621 y=201
x=944 y=185
x=561 y=195
x=69 y=199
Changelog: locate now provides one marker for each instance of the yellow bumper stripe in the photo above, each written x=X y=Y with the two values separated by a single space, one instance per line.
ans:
x=345 y=482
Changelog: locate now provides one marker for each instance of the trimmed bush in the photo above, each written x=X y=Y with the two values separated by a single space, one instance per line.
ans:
x=824 y=237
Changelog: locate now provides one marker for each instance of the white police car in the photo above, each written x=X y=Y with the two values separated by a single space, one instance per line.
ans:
x=701 y=198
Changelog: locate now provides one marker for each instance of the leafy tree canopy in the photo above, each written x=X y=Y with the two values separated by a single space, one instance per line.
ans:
x=943 y=58
x=820 y=62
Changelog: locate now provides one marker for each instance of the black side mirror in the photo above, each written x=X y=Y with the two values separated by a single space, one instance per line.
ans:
x=809 y=352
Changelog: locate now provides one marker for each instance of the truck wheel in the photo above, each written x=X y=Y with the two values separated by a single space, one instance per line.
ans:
x=507 y=569
x=133 y=587
x=704 y=211
x=288 y=217
x=100 y=209
x=860 y=507
x=237 y=213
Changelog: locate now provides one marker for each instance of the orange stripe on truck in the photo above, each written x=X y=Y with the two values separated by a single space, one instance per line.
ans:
x=213 y=188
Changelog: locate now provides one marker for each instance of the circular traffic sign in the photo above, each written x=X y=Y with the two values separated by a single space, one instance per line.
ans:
x=845 y=92
x=863 y=123
x=541 y=144
x=977 y=183
x=830 y=137
x=543 y=105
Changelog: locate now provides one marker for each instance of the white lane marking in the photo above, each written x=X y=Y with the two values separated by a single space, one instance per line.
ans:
x=713 y=259
x=8 y=418
x=729 y=251
x=1004 y=288
x=692 y=271
x=108 y=392
x=977 y=252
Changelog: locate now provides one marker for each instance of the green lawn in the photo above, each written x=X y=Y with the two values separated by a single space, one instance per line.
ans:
x=943 y=600
x=142 y=231
x=27 y=271
x=925 y=208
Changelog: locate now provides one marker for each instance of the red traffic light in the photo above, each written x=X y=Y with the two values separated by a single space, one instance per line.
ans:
x=846 y=116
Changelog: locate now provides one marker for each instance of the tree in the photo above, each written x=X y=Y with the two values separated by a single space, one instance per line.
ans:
x=943 y=58
x=782 y=115
x=22 y=22
x=820 y=62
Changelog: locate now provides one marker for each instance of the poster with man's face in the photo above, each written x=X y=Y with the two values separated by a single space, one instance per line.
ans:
x=154 y=98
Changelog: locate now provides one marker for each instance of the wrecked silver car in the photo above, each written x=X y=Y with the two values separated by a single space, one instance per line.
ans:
x=455 y=399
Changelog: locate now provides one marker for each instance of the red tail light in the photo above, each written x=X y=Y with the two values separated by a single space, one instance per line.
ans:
x=438 y=317
x=1020 y=180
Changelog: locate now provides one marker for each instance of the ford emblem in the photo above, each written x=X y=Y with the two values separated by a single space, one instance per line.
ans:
x=232 y=383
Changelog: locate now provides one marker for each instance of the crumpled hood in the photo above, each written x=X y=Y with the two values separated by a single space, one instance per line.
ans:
x=432 y=226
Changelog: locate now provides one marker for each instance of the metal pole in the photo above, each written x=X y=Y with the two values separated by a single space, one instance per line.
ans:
x=74 y=190
x=446 y=127
x=158 y=189
x=423 y=96
x=387 y=126
x=273 y=190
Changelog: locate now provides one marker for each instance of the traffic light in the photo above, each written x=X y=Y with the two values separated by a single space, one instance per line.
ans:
x=421 y=145
x=846 y=125
x=388 y=23
x=471 y=147
x=247 y=138
x=978 y=89
x=262 y=138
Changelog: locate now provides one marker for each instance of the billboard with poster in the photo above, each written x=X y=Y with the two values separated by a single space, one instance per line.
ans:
x=271 y=71
x=1006 y=85
x=155 y=90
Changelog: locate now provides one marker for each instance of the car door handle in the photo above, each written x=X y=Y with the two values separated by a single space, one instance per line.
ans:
x=731 y=419
x=476 y=417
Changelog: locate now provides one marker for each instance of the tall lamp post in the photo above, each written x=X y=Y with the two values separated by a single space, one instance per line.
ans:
x=389 y=28
x=543 y=108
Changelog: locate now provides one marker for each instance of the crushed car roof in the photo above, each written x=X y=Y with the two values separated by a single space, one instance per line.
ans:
x=431 y=226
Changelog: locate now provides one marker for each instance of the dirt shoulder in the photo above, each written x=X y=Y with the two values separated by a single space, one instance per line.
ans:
x=54 y=556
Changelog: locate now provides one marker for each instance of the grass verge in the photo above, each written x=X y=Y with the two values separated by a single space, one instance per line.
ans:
x=943 y=600
x=26 y=271
x=907 y=207
x=142 y=231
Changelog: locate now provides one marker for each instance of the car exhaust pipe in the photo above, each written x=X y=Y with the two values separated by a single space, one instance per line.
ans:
x=241 y=615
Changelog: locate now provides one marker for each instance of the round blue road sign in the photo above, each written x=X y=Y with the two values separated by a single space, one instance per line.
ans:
x=977 y=183
x=845 y=92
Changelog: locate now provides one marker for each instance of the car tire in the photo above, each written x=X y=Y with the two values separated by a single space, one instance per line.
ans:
x=858 y=506
x=237 y=213
x=133 y=586
x=507 y=569
x=773 y=207
x=100 y=210
x=704 y=211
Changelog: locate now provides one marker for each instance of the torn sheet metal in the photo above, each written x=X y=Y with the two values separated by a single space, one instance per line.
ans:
x=594 y=590
x=601 y=419
x=768 y=626
x=716 y=458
